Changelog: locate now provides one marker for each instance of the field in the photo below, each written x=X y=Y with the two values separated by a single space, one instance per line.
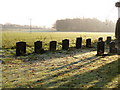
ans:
x=75 y=68
x=9 y=39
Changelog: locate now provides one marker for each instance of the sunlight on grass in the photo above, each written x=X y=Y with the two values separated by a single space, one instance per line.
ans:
x=9 y=39
x=75 y=68
x=92 y=83
x=114 y=82
x=81 y=70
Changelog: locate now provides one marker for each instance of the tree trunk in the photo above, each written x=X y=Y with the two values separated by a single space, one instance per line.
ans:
x=117 y=35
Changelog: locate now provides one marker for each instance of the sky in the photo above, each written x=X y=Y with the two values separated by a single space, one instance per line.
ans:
x=46 y=12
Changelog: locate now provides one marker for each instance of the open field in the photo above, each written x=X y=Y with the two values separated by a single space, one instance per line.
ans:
x=75 y=68
x=9 y=39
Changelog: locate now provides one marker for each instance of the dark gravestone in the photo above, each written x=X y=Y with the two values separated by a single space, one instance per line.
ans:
x=53 y=45
x=112 y=48
x=88 y=43
x=100 y=39
x=108 y=40
x=20 y=48
x=79 y=42
x=65 y=44
x=38 y=47
x=100 y=48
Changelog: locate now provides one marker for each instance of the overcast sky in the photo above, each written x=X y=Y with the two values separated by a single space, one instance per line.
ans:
x=46 y=12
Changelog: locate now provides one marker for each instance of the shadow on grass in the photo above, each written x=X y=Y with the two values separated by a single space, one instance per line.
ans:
x=97 y=78
x=32 y=57
x=55 y=54
x=91 y=59
x=102 y=75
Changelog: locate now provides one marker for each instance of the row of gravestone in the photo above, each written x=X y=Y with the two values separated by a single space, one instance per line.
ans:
x=101 y=47
x=21 y=46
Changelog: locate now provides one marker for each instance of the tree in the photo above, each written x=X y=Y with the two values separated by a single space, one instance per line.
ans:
x=84 y=25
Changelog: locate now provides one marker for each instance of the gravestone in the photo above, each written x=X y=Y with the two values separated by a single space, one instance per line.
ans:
x=20 y=48
x=100 y=48
x=108 y=40
x=112 y=48
x=65 y=44
x=38 y=47
x=53 y=45
x=79 y=42
x=100 y=39
x=88 y=43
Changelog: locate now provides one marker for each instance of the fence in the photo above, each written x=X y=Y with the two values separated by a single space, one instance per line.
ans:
x=38 y=48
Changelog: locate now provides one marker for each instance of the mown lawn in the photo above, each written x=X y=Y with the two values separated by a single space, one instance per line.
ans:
x=9 y=39
x=75 y=68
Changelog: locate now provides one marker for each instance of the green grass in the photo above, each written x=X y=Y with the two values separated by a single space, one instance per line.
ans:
x=9 y=39
x=75 y=68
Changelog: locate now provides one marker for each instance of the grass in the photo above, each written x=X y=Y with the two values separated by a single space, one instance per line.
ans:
x=75 y=68
x=9 y=39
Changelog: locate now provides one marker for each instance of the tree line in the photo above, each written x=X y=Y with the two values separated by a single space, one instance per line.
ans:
x=17 y=27
x=84 y=25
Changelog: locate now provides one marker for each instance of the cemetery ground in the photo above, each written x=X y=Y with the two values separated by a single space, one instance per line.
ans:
x=73 y=68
